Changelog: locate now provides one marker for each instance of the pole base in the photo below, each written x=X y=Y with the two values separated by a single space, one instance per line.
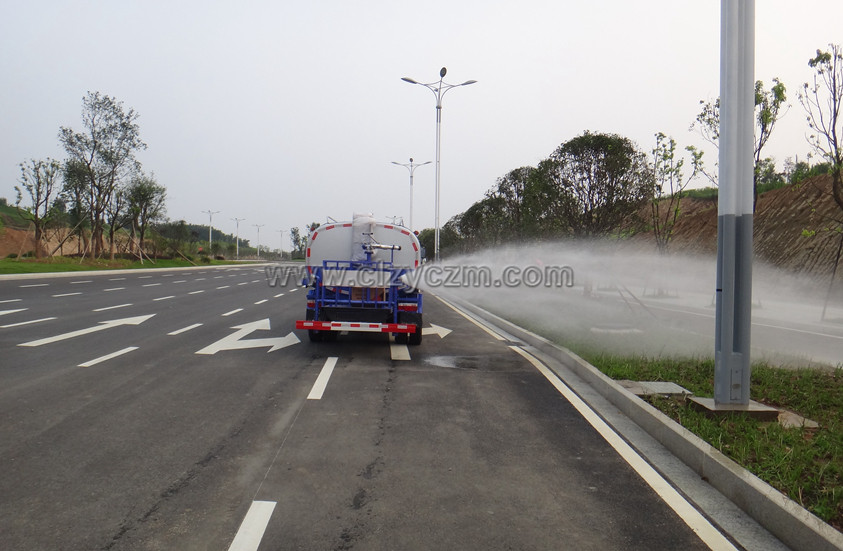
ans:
x=753 y=409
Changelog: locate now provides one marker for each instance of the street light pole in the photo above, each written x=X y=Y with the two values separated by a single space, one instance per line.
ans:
x=259 y=226
x=210 y=214
x=282 y=245
x=237 y=236
x=412 y=168
x=438 y=89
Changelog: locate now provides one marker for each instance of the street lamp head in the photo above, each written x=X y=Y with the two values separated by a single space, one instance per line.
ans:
x=408 y=79
x=442 y=72
x=467 y=82
x=411 y=159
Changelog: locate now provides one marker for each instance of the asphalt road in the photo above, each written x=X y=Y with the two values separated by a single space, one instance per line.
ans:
x=180 y=410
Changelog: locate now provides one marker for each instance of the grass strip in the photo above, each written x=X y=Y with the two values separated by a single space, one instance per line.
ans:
x=806 y=464
x=65 y=264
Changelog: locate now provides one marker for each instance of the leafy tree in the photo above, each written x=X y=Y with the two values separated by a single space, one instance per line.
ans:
x=768 y=110
x=146 y=205
x=75 y=189
x=669 y=183
x=601 y=179
x=823 y=101
x=115 y=216
x=299 y=242
x=102 y=155
x=39 y=179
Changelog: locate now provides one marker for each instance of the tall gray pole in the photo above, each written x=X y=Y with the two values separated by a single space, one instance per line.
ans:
x=733 y=313
x=259 y=226
x=438 y=89
x=237 y=237
x=412 y=168
x=210 y=214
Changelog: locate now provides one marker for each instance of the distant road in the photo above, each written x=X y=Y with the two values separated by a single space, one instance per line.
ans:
x=179 y=410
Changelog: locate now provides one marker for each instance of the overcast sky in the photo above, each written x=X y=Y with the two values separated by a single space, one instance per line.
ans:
x=284 y=112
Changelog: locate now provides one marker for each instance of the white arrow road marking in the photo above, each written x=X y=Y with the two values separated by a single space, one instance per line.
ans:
x=233 y=342
x=102 y=325
x=436 y=330
x=4 y=312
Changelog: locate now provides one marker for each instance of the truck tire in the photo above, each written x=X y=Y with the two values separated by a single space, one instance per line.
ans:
x=312 y=334
x=415 y=338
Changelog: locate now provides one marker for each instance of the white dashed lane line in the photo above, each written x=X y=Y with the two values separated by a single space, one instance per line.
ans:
x=323 y=378
x=108 y=356
x=30 y=322
x=110 y=307
x=185 y=329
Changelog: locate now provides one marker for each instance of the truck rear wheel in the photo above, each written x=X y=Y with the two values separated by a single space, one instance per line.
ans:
x=415 y=338
x=312 y=334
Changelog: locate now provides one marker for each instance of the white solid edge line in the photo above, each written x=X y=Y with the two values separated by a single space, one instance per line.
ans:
x=108 y=356
x=252 y=528
x=399 y=351
x=184 y=329
x=693 y=518
x=469 y=318
x=322 y=380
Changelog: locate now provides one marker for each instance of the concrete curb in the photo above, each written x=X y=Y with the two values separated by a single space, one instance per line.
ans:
x=781 y=516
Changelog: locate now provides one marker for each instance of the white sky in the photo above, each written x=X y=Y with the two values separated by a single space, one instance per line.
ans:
x=284 y=112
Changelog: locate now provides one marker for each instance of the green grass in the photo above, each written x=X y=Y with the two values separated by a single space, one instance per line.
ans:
x=803 y=463
x=64 y=264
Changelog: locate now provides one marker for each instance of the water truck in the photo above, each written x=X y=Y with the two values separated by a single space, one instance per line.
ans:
x=359 y=275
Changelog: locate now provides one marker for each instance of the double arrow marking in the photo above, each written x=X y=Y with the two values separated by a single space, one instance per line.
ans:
x=233 y=342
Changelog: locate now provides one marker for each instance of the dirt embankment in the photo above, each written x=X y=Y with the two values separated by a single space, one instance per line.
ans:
x=20 y=242
x=793 y=228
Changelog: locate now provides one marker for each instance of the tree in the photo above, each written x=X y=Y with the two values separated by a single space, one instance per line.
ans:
x=299 y=242
x=823 y=101
x=768 y=109
x=102 y=155
x=601 y=179
x=39 y=179
x=669 y=182
x=146 y=205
